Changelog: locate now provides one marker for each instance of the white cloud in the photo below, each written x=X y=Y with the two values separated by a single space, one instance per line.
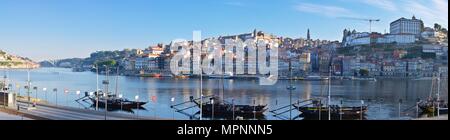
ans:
x=326 y=10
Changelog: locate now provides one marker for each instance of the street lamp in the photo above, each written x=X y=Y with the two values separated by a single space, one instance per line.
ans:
x=78 y=94
x=45 y=92
x=212 y=111
x=291 y=87
x=56 y=95
x=28 y=94
x=254 y=110
x=121 y=103
x=137 y=109
x=361 y=111
x=232 y=102
x=96 y=90
x=66 y=93
x=36 y=96
x=400 y=101
x=173 y=113
x=18 y=88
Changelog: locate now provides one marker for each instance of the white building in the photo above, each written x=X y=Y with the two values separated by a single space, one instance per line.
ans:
x=397 y=38
x=437 y=49
x=407 y=26
x=366 y=39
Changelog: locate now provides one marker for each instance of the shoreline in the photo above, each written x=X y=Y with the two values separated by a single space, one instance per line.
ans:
x=244 y=77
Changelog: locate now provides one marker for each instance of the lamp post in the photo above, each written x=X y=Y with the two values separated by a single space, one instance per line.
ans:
x=137 y=109
x=121 y=103
x=105 y=94
x=439 y=94
x=173 y=113
x=9 y=90
x=36 y=94
x=417 y=107
x=66 y=93
x=361 y=111
x=212 y=111
x=45 y=93
x=90 y=95
x=232 y=102
x=291 y=87
x=400 y=101
x=18 y=88
x=96 y=95
x=78 y=94
x=254 y=109
x=28 y=86
x=56 y=95
x=3 y=89
x=340 y=110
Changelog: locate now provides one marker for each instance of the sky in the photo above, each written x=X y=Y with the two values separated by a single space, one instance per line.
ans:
x=57 y=29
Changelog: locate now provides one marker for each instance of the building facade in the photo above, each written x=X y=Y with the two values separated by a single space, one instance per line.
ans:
x=407 y=26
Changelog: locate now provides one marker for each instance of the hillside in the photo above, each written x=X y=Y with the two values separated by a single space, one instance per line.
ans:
x=15 y=62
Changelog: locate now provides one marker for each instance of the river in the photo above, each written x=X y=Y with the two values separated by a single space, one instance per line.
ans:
x=381 y=96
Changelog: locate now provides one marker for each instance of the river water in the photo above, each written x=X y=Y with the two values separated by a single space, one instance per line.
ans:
x=381 y=96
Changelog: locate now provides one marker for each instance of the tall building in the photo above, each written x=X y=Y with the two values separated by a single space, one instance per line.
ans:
x=308 y=36
x=407 y=26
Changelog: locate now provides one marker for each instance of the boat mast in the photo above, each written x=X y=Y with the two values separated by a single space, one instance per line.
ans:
x=96 y=94
x=117 y=80
x=29 y=85
x=432 y=87
x=438 y=93
x=201 y=83
x=329 y=90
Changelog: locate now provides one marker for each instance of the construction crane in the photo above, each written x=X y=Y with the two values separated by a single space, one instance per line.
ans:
x=363 y=19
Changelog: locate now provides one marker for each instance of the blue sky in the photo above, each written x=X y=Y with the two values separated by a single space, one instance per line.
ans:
x=54 y=29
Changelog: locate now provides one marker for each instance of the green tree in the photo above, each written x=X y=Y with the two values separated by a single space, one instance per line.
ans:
x=109 y=63
x=437 y=27
x=364 y=72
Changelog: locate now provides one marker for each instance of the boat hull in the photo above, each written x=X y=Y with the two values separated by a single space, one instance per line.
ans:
x=345 y=113
x=125 y=105
x=229 y=111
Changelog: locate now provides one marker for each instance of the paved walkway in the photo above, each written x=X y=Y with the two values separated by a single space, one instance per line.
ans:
x=6 y=116
x=68 y=113
x=442 y=117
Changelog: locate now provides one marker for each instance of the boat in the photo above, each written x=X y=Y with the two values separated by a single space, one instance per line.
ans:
x=430 y=106
x=113 y=101
x=315 y=78
x=364 y=79
x=337 y=112
x=221 y=76
x=434 y=106
x=224 y=109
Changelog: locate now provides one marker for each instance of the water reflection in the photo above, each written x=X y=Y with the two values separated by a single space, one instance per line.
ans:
x=242 y=91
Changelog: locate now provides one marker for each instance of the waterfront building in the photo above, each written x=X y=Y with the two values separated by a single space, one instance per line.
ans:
x=388 y=69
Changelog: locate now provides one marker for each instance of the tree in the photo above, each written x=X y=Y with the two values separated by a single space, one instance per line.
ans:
x=364 y=72
x=109 y=63
x=444 y=30
x=437 y=27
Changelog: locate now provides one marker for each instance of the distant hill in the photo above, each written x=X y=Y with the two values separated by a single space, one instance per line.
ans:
x=15 y=62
